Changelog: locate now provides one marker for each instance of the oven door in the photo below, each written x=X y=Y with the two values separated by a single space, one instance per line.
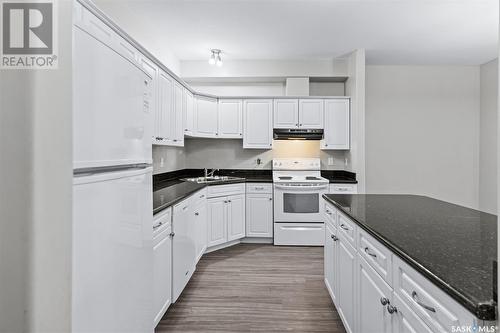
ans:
x=298 y=203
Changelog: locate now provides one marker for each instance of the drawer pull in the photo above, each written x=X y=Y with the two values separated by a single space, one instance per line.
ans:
x=392 y=309
x=202 y=196
x=259 y=188
x=158 y=225
x=367 y=250
x=415 y=298
x=384 y=301
x=335 y=238
x=343 y=226
x=328 y=212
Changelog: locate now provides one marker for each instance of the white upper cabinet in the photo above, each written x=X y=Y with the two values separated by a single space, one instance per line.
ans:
x=205 y=117
x=230 y=119
x=337 y=130
x=165 y=109
x=286 y=113
x=258 y=123
x=153 y=71
x=189 y=113
x=177 y=118
x=311 y=113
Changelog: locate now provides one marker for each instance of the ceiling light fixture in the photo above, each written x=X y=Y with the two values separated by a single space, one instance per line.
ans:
x=215 y=58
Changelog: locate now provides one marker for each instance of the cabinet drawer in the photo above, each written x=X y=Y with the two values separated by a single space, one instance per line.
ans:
x=200 y=196
x=310 y=234
x=330 y=214
x=377 y=255
x=348 y=228
x=344 y=188
x=259 y=188
x=161 y=221
x=224 y=190
x=438 y=310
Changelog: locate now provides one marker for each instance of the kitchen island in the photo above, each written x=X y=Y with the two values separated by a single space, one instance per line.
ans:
x=430 y=256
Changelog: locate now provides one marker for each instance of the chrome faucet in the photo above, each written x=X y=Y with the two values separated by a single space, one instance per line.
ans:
x=211 y=173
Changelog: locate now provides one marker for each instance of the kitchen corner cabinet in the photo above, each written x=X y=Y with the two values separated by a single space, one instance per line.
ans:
x=258 y=123
x=337 y=125
x=205 y=118
x=226 y=219
x=230 y=119
x=216 y=218
x=235 y=213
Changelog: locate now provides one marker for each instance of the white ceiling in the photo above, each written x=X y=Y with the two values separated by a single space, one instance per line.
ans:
x=392 y=31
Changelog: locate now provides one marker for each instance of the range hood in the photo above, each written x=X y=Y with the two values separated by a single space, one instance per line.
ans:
x=297 y=134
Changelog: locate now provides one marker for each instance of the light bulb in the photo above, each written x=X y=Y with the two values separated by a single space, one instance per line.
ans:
x=211 y=61
x=219 y=61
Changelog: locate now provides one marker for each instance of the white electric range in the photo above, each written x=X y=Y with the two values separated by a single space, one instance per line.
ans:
x=298 y=189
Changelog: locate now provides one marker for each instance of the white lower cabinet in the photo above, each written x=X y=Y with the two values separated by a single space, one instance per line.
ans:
x=216 y=215
x=235 y=217
x=346 y=271
x=373 y=295
x=375 y=291
x=330 y=261
x=162 y=272
x=184 y=247
x=259 y=211
x=200 y=224
x=226 y=219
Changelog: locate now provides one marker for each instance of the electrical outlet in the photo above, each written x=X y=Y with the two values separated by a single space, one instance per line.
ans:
x=162 y=162
x=330 y=160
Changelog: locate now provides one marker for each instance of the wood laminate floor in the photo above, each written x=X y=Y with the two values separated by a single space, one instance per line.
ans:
x=255 y=288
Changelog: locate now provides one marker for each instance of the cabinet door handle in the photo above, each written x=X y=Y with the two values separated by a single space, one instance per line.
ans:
x=202 y=196
x=196 y=214
x=414 y=296
x=259 y=188
x=392 y=309
x=185 y=207
x=229 y=201
x=172 y=234
x=335 y=238
x=384 y=301
x=368 y=252
x=270 y=199
x=344 y=227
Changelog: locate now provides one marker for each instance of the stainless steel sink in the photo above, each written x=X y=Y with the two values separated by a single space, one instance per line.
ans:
x=212 y=179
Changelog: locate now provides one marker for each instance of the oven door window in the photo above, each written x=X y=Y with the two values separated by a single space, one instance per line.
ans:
x=301 y=203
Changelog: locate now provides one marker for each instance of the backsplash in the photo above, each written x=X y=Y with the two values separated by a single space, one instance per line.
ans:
x=229 y=154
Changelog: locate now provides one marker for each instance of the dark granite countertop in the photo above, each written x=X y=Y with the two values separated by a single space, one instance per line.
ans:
x=339 y=176
x=172 y=192
x=169 y=188
x=453 y=246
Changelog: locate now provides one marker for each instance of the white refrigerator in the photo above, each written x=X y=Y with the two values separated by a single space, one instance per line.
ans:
x=112 y=191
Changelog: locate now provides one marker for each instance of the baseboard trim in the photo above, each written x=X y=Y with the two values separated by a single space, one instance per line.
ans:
x=257 y=240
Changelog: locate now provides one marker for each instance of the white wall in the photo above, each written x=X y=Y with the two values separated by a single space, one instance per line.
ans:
x=167 y=159
x=36 y=188
x=422 y=131
x=488 y=137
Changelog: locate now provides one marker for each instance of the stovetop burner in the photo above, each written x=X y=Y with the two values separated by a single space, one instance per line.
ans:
x=285 y=177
